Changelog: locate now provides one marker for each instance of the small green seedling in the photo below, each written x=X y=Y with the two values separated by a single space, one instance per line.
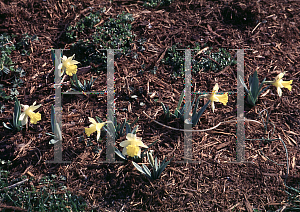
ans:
x=255 y=88
x=157 y=167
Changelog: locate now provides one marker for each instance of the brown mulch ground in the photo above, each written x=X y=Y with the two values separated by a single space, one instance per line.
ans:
x=212 y=185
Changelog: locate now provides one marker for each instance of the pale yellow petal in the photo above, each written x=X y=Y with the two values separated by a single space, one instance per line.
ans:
x=141 y=144
x=98 y=134
x=279 y=91
x=33 y=108
x=216 y=88
x=124 y=152
x=24 y=121
x=22 y=116
x=130 y=136
x=139 y=153
x=125 y=143
x=92 y=120
x=279 y=76
x=25 y=107
x=100 y=125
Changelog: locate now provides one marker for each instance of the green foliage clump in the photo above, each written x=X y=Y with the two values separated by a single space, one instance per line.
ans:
x=83 y=26
x=6 y=47
x=154 y=3
x=49 y=195
x=24 y=44
x=179 y=112
x=85 y=86
x=115 y=33
x=7 y=66
x=208 y=61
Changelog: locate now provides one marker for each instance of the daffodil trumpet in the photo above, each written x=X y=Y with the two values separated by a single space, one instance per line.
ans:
x=28 y=112
x=279 y=83
x=215 y=97
x=68 y=65
x=132 y=146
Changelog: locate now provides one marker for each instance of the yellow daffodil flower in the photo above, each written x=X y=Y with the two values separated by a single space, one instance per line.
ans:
x=28 y=111
x=217 y=97
x=94 y=127
x=279 y=83
x=68 y=65
x=132 y=145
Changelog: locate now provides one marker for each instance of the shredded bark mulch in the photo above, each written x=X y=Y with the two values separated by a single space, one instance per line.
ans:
x=269 y=33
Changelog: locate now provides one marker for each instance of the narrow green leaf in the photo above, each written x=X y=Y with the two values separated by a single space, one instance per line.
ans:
x=135 y=129
x=251 y=99
x=162 y=168
x=152 y=143
x=155 y=164
x=196 y=105
x=250 y=80
x=128 y=129
x=179 y=103
x=6 y=126
x=14 y=120
x=57 y=132
x=137 y=166
x=150 y=159
x=261 y=84
x=120 y=154
x=168 y=113
x=92 y=81
x=49 y=134
x=72 y=83
x=195 y=119
x=98 y=119
x=52 y=118
x=243 y=83
x=118 y=128
x=164 y=109
x=53 y=141
x=254 y=85
x=16 y=115
x=133 y=123
x=145 y=168
x=122 y=128
x=114 y=120
x=263 y=90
